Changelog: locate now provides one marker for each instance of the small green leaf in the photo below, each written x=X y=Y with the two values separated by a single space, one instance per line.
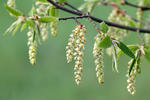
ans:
x=133 y=48
x=125 y=49
x=24 y=26
x=30 y=23
x=47 y=19
x=32 y=11
x=53 y=11
x=115 y=59
x=13 y=11
x=16 y=28
x=105 y=42
x=132 y=65
x=104 y=27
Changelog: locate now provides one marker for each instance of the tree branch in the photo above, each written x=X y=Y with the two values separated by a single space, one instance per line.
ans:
x=136 y=6
x=98 y=20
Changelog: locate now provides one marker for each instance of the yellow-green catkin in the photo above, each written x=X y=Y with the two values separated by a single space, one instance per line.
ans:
x=71 y=44
x=53 y=26
x=131 y=81
x=75 y=50
x=11 y=3
x=140 y=14
x=116 y=16
x=44 y=32
x=135 y=70
x=98 y=55
x=32 y=47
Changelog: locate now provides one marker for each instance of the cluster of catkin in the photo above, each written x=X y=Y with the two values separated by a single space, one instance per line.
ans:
x=74 y=50
x=131 y=79
x=117 y=16
x=32 y=47
x=135 y=70
x=43 y=10
x=98 y=55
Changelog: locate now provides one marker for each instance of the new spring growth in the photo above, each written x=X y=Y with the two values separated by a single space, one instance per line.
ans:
x=98 y=55
x=75 y=49
x=135 y=70
x=15 y=25
x=11 y=3
x=32 y=47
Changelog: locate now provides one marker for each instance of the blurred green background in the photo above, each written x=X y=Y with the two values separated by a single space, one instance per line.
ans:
x=52 y=78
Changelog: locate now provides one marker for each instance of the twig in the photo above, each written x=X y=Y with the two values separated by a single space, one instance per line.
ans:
x=73 y=17
x=140 y=37
x=99 y=20
x=66 y=3
x=136 y=6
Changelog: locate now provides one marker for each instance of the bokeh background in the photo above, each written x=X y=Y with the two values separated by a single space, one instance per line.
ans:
x=52 y=78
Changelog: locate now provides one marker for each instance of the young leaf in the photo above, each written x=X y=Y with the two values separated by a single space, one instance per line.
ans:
x=13 y=11
x=133 y=48
x=132 y=65
x=16 y=28
x=125 y=49
x=24 y=26
x=105 y=42
x=47 y=19
x=104 y=27
x=30 y=23
x=53 y=11
x=115 y=59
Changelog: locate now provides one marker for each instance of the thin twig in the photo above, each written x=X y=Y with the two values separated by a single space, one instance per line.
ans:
x=136 y=6
x=66 y=3
x=73 y=17
x=140 y=37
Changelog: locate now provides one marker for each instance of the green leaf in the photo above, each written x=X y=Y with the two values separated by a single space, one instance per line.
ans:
x=125 y=49
x=115 y=59
x=105 y=42
x=16 y=28
x=53 y=11
x=104 y=27
x=13 y=11
x=24 y=26
x=32 y=11
x=133 y=48
x=30 y=23
x=132 y=65
x=47 y=19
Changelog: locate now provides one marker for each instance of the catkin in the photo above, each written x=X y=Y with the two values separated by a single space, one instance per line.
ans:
x=75 y=49
x=98 y=55
x=53 y=26
x=32 y=48
x=11 y=3
x=131 y=80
